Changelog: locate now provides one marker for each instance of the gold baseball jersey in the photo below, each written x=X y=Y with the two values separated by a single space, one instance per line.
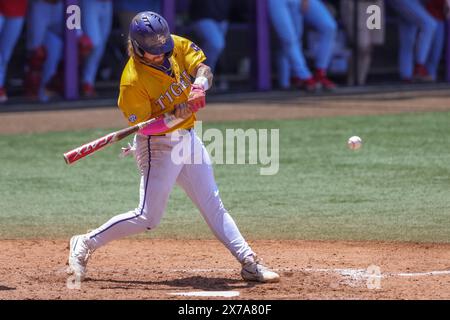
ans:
x=147 y=92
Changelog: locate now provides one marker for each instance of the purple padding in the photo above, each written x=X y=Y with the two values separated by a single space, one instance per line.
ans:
x=447 y=52
x=70 y=57
x=168 y=12
x=263 y=71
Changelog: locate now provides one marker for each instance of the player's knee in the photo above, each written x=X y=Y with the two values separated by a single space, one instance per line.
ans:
x=288 y=42
x=152 y=223
x=97 y=47
x=152 y=226
x=429 y=25
x=150 y=220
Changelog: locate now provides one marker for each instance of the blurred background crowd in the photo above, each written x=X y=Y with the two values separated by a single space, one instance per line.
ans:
x=313 y=44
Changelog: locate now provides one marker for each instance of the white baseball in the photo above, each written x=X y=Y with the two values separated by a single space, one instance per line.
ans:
x=354 y=143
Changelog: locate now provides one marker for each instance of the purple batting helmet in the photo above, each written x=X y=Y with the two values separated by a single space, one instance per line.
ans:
x=149 y=32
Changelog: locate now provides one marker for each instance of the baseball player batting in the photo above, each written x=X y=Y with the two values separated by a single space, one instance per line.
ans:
x=157 y=81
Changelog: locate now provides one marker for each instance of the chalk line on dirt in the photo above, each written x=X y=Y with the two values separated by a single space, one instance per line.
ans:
x=354 y=273
x=346 y=272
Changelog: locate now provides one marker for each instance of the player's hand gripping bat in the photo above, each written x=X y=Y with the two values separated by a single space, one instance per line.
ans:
x=196 y=101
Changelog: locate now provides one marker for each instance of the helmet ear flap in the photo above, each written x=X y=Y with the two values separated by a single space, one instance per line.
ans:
x=169 y=54
x=137 y=49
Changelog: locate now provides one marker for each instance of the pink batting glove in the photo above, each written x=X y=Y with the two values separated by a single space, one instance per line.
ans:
x=155 y=127
x=197 y=98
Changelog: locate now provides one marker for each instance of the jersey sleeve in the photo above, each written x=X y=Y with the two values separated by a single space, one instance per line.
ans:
x=193 y=55
x=134 y=104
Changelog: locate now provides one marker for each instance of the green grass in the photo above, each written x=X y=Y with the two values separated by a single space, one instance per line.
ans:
x=397 y=187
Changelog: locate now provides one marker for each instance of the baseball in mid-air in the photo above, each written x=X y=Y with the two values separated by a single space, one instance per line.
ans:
x=354 y=143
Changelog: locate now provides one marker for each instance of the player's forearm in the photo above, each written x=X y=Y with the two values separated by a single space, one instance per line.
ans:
x=204 y=76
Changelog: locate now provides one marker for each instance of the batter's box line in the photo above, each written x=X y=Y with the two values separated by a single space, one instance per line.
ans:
x=347 y=272
x=353 y=273
x=362 y=273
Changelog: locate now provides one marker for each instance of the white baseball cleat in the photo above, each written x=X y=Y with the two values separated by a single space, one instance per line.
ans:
x=78 y=256
x=254 y=270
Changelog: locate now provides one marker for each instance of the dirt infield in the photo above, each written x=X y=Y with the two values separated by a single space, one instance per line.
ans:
x=158 y=269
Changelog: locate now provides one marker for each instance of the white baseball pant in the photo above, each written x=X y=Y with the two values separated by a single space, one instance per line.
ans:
x=159 y=173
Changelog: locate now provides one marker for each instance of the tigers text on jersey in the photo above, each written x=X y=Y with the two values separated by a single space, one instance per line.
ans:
x=146 y=92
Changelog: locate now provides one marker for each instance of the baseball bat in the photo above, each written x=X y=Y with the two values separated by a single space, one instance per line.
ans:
x=93 y=146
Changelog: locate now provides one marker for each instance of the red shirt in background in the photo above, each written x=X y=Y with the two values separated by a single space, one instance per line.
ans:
x=15 y=8
x=436 y=8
